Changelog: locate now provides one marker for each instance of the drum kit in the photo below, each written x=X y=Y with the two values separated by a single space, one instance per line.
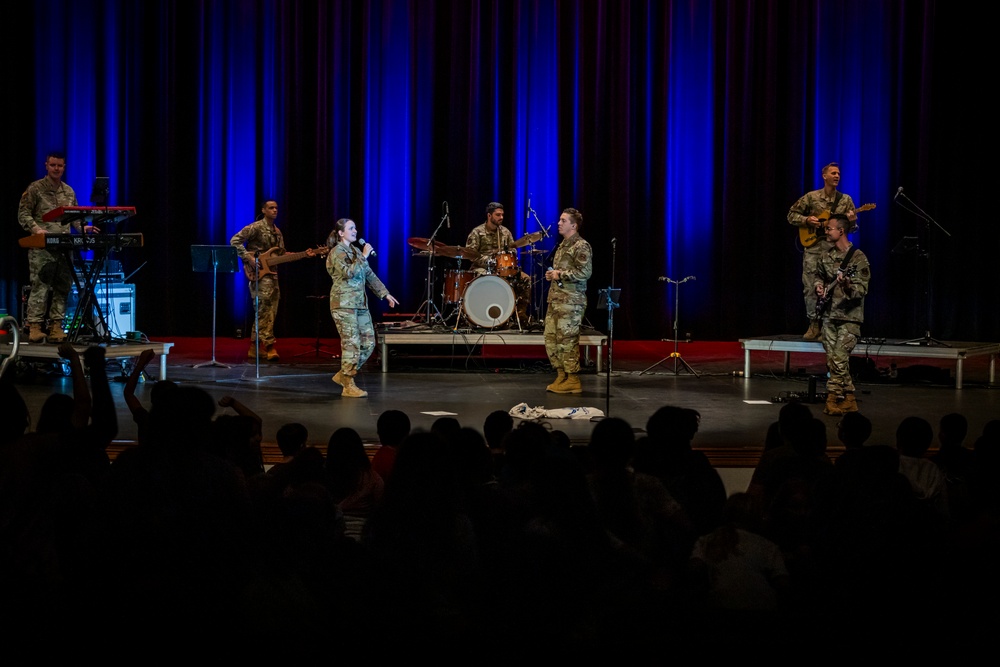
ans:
x=486 y=300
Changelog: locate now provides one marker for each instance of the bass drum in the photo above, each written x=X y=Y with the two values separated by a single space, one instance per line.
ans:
x=489 y=301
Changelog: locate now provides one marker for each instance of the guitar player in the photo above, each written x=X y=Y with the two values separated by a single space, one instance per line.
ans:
x=259 y=237
x=840 y=285
x=809 y=213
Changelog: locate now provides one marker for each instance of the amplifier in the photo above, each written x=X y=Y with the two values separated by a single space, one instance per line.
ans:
x=117 y=304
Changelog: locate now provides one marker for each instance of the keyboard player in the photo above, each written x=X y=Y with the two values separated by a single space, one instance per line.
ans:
x=50 y=272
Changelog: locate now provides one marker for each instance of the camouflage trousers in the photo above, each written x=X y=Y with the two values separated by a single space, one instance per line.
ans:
x=810 y=262
x=269 y=297
x=357 y=337
x=562 y=336
x=50 y=275
x=839 y=339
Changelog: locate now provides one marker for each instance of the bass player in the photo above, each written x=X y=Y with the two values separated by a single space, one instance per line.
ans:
x=259 y=237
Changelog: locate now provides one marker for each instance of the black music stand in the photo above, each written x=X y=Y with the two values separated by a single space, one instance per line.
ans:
x=609 y=299
x=214 y=258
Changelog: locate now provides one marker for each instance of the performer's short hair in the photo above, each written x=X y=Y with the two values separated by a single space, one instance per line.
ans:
x=492 y=206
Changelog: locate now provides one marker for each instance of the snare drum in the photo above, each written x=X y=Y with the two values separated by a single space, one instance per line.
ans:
x=455 y=283
x=507 y=263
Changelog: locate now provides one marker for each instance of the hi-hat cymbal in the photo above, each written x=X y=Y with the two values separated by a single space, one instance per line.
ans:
x=457 y=251
x=423 y=244
x=528 y=239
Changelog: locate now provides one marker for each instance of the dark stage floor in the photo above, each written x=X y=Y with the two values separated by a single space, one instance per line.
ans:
x=468 y=382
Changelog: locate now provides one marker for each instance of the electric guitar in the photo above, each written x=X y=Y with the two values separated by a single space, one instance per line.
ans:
x=824 y=301
x=808 y=235
x=271 y=258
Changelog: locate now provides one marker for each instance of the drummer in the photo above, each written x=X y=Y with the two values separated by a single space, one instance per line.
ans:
x=489 y=240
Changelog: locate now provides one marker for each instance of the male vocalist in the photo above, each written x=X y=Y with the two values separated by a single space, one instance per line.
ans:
x=572 y=265
x=49 y=271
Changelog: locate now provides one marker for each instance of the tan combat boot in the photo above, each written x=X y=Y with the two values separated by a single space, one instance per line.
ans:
x=571 y=385
x=56 y=333
x=834 y=405
x=272 y=354
x=252 y=352
x=813 y=332
x=339 y=378
x=352 y=390
x=560 y=378
x=849 y=404
x=35 y=333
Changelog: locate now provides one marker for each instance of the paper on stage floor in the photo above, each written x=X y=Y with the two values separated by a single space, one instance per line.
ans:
x=522 y=411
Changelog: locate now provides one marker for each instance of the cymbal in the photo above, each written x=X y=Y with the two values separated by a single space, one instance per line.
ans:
x=458 y=251
x=533 y=251
x=423 y=244
x=528 y=239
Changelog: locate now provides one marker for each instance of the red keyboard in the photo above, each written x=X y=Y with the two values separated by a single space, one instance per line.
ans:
x=71 y=213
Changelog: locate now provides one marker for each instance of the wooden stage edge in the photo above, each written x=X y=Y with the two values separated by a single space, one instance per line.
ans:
x=470 y=339
x=112 y=351
x=957 y=351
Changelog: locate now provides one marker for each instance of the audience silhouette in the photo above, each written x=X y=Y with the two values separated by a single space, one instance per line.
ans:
x=617 y=544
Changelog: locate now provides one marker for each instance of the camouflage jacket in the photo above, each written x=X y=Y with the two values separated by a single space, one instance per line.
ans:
x=350 y=272
x=847 y=302
x=38 y=199
x=573 y=257
x=257 y=236
x=814 y=203
x=488 y=244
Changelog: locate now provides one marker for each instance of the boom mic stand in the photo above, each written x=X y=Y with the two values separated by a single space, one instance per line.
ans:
x=428 y=303
x=911 y=207
x=609 y=298
x=675 y=355
x=537 y=295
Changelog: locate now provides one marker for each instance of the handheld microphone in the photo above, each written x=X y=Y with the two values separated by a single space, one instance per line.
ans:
x=361 y=244
x=898 y=192
x=527 y=216
x=558 y=281
x=447 y=215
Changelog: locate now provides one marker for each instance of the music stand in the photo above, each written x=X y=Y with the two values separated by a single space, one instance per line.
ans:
x=675 y=355
x=213 y=258
x=608 y=299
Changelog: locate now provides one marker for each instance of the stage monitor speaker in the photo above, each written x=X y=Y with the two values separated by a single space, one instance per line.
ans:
x=117 y=304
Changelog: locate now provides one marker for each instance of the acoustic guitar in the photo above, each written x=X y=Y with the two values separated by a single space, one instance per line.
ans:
x=271 y=258
x=809 y=235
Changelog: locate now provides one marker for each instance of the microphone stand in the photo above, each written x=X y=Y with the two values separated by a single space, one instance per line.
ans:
x=538 y=296
x=429 y=301
x=911 y=207
x=256 y=313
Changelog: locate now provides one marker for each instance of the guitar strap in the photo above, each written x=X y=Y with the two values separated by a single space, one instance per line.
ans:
x=847 y=257
x=836 y=200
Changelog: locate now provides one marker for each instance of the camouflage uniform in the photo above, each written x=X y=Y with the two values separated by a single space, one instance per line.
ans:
x=49 y=271
x=260 y=236
x=574 y=259
x=842 y=319
x=814 y=203
x=488 y=244
x=350 y=272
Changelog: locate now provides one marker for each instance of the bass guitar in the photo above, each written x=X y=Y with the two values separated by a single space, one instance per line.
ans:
x=824 y=301
x=272 y=258
x=809 y=235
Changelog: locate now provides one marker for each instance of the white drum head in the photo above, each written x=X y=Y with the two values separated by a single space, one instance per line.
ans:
x=489 y=301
